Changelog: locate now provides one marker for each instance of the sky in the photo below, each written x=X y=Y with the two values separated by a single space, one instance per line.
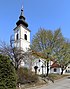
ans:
x=48 y=14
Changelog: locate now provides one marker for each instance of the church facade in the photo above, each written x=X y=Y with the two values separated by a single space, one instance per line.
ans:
x=22 y=40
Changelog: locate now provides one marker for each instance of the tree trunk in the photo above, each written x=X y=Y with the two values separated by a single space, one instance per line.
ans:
x=62 y=71
x=47 y=68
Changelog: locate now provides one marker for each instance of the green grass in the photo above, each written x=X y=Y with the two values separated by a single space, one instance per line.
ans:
x=57 y=76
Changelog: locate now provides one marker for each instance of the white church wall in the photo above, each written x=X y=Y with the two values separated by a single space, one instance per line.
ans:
x=40 y=70
x=21 y=41
x=25 y=43
x=17 y=41
x=25 y=31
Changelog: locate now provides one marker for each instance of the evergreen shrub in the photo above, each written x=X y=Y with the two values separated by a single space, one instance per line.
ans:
x=7 y=74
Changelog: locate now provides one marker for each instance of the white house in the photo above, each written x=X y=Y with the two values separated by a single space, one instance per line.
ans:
x=55 y=68
x=67 y=70
x=41 y=66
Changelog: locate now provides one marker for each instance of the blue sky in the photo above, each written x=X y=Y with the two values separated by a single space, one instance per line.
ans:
x=48 y=14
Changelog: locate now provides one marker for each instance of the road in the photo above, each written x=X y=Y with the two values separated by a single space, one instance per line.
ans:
x=63 y=83
x=59 y=84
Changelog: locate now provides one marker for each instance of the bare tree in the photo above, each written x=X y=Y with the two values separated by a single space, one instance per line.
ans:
x=16 y=55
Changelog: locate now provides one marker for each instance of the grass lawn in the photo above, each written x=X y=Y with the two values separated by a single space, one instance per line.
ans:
x=57 y=76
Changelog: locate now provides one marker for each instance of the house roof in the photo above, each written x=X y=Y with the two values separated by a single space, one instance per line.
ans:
x=39 y=54
x=55 y=65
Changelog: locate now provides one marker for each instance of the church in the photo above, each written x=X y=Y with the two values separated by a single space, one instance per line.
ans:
x=22 y=33
x=22 y=40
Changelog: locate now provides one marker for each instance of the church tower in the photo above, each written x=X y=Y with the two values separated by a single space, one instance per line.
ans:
x=22 y=33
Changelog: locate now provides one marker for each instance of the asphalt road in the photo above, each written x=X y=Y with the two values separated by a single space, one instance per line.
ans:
x=59 y=84
x=63 y=83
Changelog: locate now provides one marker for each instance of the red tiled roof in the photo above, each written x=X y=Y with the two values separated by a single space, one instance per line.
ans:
x=55 y=65
x=38 y=54
x=53 y=60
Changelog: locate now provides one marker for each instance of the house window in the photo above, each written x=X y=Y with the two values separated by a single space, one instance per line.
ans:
x=55 y=70
x=68 y=67
x=17 y=37
x=25 y=36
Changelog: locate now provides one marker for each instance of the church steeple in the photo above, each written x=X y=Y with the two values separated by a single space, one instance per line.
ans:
x=22 y=33
x=22 y=19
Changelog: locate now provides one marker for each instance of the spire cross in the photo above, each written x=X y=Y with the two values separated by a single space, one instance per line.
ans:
x=22 y=7
x=22 y=11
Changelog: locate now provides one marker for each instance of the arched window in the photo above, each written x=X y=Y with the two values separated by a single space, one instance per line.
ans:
x=17 y=36
x=25 y=36
x=55 y=70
